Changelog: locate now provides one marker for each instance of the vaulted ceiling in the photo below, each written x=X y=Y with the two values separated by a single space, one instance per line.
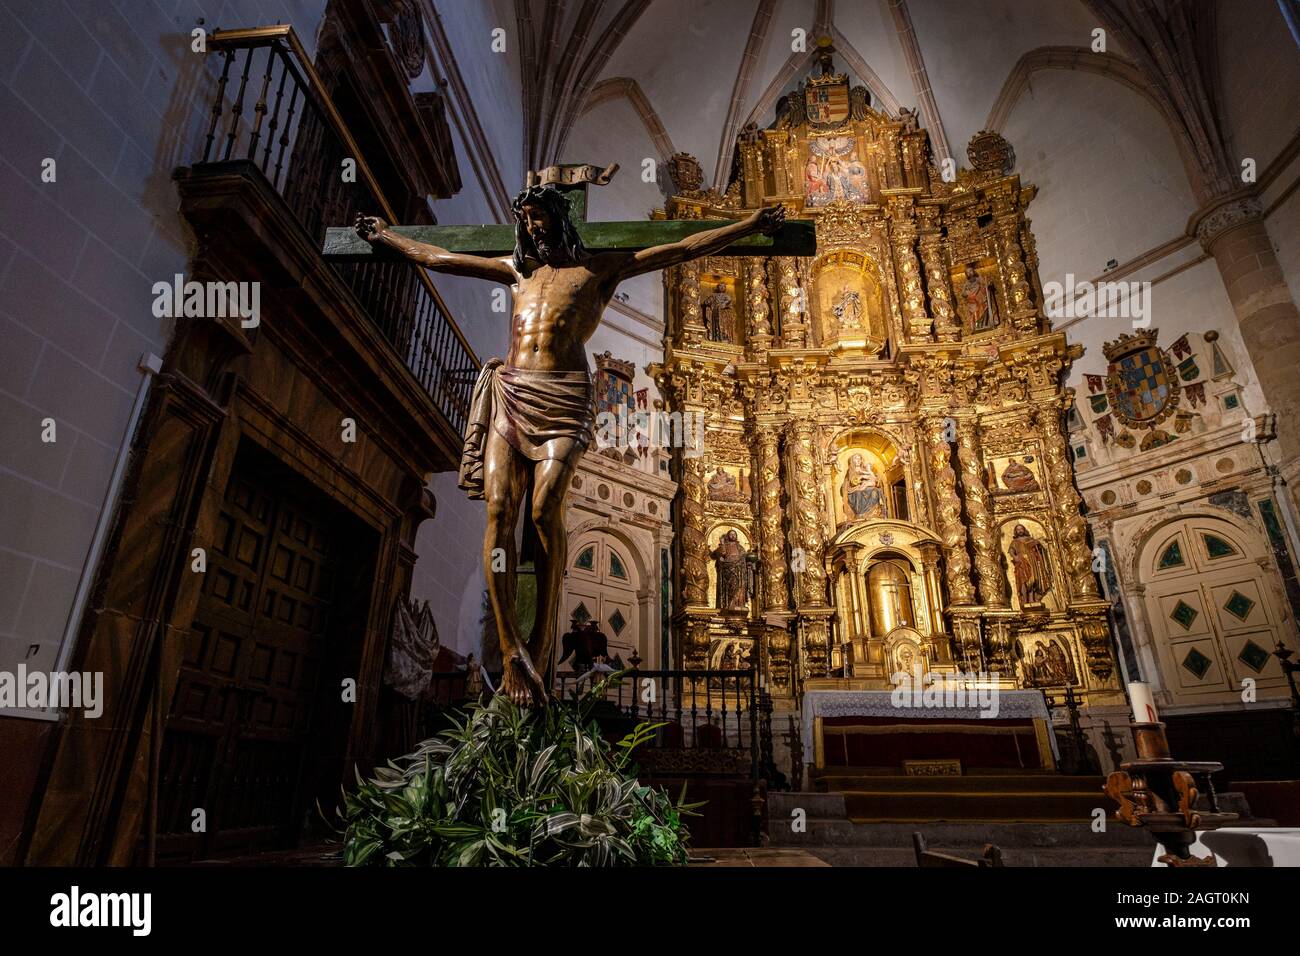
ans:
x=695 y=71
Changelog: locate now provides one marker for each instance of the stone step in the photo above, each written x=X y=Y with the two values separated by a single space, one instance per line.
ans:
x=821 y=833
x=989 y=783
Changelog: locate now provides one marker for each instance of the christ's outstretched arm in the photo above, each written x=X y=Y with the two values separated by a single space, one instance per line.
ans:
x=709 y=243
x=375 y=231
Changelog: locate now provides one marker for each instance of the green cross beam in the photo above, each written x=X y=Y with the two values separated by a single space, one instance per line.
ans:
x=798 y=237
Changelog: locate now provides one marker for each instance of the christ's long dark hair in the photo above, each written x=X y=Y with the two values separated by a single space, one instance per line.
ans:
x=556 y=205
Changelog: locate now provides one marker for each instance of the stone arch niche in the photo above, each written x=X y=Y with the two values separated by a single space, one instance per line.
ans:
x=1031 y=572
x=848 y=302
x=888 y=602
x=1213 y=609
x=869 y=480
x=714 y=539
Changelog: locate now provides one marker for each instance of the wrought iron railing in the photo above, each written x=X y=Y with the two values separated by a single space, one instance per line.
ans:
x=271 y=110
x=720 y=714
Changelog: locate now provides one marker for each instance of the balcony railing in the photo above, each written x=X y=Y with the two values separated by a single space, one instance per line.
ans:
x=271 y=109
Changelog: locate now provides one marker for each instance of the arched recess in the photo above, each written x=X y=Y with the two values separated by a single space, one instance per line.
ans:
x=1111 y=67
x=625 y=87
x=1213 y=608
x=895 y=477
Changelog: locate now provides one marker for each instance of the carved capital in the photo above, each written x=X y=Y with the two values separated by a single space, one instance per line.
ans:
x=1225 y=215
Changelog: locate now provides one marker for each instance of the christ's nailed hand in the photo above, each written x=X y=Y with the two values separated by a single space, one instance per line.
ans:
x=771 y=219
x=369 y=228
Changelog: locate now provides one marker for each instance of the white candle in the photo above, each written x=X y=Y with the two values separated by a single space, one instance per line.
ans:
x=1144 y=702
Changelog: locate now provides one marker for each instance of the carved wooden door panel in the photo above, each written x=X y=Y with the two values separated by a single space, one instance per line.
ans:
x=235 y=738
x=1213 y=611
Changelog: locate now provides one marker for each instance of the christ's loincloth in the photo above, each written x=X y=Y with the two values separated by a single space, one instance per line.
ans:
x=543 y=415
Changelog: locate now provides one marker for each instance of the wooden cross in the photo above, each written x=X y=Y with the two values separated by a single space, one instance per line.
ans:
x=796 y=238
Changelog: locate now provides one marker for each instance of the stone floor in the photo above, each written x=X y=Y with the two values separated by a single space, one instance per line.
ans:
x=754 y=856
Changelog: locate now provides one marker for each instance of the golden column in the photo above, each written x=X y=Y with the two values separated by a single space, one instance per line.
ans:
x=952 y=532
x=688 y=303
x=940 y=650
x=757 y=306
x=771 y=540
x=794 y=308
x=937 y=283
x=695 y=574
x=979 y=517
x=1006 y=222
x=1065 y=502
x=902 y=238
x=806 y=560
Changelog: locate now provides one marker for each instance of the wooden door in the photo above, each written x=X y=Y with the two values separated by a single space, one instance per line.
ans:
x=236 y=736
x=1213 y=612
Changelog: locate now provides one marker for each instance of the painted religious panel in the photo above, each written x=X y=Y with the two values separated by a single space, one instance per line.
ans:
x=728 y=483
x=834 y=172
x=1014 y=474
x=1045 y=661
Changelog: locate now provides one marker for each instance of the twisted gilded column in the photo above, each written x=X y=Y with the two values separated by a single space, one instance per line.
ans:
x=937 y=283
x=771 y=535
x=695 y=551
x=801 y=460
x=1006 y=224
x=902 y=239
x=757 y=304
x=979 y=515
x=1065 y=502
x=772 y=558
x=794 y=309
x=687 y=280
x=948 y=513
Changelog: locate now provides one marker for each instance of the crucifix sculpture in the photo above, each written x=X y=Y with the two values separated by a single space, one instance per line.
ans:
x=531 y=414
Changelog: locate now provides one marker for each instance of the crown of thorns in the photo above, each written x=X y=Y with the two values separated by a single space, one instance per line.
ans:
x=548 y=197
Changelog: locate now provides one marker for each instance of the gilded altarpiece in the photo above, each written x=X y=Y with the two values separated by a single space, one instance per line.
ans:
x=883 y=422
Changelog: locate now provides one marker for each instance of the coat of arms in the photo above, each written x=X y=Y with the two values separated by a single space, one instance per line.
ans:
x=826 y=100
x=614 y=385
x=1141 y=382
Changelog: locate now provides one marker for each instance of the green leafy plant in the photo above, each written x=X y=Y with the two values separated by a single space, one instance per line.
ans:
x=509 y=786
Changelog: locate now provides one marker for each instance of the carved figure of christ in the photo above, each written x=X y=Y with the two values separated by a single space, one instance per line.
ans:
x=533 y=410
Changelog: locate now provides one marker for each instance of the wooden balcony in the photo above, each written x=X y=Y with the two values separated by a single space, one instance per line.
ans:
x=278 y=165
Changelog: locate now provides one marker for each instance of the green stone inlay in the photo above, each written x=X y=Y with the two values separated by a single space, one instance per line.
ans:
x=616 y=566
x=581 y=614
x=1197 y=663
x=1184 y=614
x=1216 y=547
x=586 y=560
x=1253 y=656
x=617 y=622
x=1172 y=557
x=1239 y=605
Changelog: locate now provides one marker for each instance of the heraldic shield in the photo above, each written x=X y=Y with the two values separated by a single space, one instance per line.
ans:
x=1141 y=384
